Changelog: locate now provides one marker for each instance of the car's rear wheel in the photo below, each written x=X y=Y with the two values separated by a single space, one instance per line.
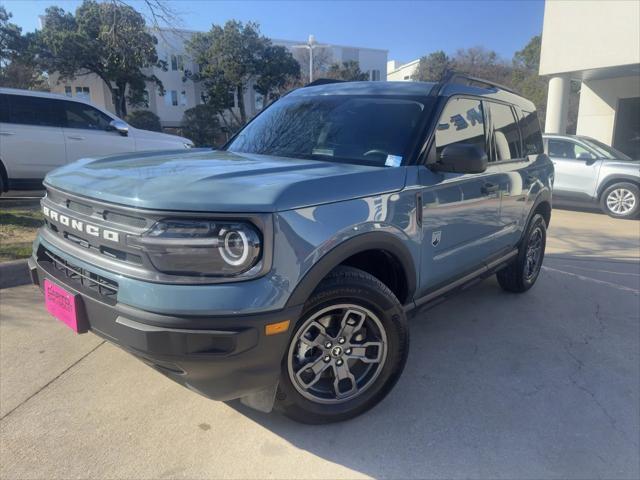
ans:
x=621 y=200
x=347 y=351
x=521 y=274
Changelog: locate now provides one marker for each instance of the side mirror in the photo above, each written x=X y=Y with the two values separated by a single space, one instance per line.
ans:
x=119 y=126
x=462 y=158
x=585 y=156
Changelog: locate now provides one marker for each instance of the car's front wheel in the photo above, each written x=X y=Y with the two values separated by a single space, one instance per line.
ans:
x=347 y=351
x=621 y=200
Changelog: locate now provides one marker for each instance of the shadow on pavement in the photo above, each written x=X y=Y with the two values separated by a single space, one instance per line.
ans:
x=540 y=385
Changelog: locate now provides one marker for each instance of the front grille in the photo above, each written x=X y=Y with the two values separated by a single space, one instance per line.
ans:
x=80 y=277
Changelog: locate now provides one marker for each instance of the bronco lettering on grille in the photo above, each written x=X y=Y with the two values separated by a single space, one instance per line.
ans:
x=80 y=226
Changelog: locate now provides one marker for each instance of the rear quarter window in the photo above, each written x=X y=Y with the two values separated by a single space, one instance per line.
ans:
x=531 y=134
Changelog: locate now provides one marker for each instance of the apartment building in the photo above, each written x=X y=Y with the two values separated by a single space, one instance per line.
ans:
x=182 y=94
x=401 y=72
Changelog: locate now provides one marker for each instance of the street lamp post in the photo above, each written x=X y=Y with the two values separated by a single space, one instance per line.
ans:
x=310 y=45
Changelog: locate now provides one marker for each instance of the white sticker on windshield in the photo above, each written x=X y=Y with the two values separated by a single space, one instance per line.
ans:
x=393 y=160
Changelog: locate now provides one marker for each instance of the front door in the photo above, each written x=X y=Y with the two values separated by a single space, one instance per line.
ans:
x=87 y=133
x=461 y=212
x=576 y=170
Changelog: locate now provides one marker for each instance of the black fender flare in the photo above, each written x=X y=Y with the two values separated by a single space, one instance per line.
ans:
x=366 y=241
x=543 y=196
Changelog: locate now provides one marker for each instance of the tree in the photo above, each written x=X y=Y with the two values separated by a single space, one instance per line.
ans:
x=322 y=60
x=201 y=125
x=433 y=67
x=233 y=56
x=348 y=71
x=145 y=120
x=277 y=69
x=482 y=63
x=109 y=40
x=18 y=68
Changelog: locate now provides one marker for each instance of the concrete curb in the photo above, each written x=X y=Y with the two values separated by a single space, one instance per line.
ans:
x=14 y=273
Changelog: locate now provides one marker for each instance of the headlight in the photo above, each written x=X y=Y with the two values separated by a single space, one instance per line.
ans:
x=202 y=247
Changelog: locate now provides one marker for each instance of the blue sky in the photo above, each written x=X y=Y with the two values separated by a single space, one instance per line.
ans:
x=408 y=29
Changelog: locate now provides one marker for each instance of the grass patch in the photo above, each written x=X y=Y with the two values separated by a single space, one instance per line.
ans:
x=18 y=229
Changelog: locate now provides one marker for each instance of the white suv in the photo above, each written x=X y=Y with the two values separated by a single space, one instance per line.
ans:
x=41 y=131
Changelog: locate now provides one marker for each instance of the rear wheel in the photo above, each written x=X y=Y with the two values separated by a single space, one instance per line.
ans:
x=346 y=353
x=621 y=200
x=523 y=271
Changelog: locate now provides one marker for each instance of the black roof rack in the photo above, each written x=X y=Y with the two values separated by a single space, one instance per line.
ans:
x=323 y=81
x=455 y=77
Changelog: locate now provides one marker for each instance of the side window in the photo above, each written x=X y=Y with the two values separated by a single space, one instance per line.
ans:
x=570 y=150
x=27 y=110
x=4 y=108
x=531 y=134
x=79 y=115
x=506 y=138
x=462 y=121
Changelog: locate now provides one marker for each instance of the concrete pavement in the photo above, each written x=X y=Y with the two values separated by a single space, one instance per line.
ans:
x=541 y=385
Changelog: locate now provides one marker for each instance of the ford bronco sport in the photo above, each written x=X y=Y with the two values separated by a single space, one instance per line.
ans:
x=281 y=269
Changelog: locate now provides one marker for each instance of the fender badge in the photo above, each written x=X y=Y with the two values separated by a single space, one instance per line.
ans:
x=435 y=238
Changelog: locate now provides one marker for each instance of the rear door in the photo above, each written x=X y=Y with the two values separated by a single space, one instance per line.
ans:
x=31 y=137
x=461 y=212
x=511 y=163
x=88 y=134
x=576 y=169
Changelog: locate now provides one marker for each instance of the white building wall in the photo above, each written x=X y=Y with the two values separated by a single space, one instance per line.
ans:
x=599 y=103
x=586 y=35
x=401 y=72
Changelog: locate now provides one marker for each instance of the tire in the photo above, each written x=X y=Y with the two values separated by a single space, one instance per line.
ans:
x=621 y=200
x=359 y=317
x=521 y=274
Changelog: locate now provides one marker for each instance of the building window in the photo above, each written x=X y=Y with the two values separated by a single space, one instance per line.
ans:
x=177 y=63
x=374 y=75
x=174 y=98
x=67 y=91
x=407 y=77
x=83 y=92
x=183 y=98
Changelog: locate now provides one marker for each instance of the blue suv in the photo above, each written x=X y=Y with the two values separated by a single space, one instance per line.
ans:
x=282 y=268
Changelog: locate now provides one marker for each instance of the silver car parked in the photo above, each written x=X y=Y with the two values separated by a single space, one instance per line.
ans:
x=590 y=173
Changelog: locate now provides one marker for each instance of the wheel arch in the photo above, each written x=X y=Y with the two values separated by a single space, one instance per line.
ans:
x=356 y=248
x=4 y=175
x=616 y=178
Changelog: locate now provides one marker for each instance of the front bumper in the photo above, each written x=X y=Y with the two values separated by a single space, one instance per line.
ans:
x=220 y=357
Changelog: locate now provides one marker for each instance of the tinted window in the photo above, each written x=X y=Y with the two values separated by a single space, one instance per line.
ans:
x=506 y=138
x=4 y=108
x=336 y=128
x=26 y=110
x=462 y=121
x=531 y=135
x=567 y=149
x=79 y=115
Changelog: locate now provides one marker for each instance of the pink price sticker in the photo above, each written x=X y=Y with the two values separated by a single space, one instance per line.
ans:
x=61 y=304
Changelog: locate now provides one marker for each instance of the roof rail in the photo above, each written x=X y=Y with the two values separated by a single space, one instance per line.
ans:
x=323 y=81
x=454 y=77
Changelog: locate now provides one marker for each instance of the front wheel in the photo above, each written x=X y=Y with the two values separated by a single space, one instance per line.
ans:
x=347 y=351
x=621 y=200
x=520 y=275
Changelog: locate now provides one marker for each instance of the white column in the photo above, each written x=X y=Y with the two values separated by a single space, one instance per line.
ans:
x=557 y=105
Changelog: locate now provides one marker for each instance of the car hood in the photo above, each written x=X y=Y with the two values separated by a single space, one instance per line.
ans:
x=219 y=181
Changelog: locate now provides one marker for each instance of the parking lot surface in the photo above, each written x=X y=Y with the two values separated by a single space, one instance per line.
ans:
x=540 y=385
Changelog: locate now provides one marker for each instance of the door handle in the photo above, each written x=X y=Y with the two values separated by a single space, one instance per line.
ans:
x=7 y=134
x=489 y=188
x=75 y=137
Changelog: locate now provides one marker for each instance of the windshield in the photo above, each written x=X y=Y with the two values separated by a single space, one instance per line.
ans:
x=335 y=128
x=605 y=151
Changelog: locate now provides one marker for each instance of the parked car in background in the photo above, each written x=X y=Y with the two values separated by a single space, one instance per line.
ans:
x=590 y=173
x=41 y=131
x=282 y=268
